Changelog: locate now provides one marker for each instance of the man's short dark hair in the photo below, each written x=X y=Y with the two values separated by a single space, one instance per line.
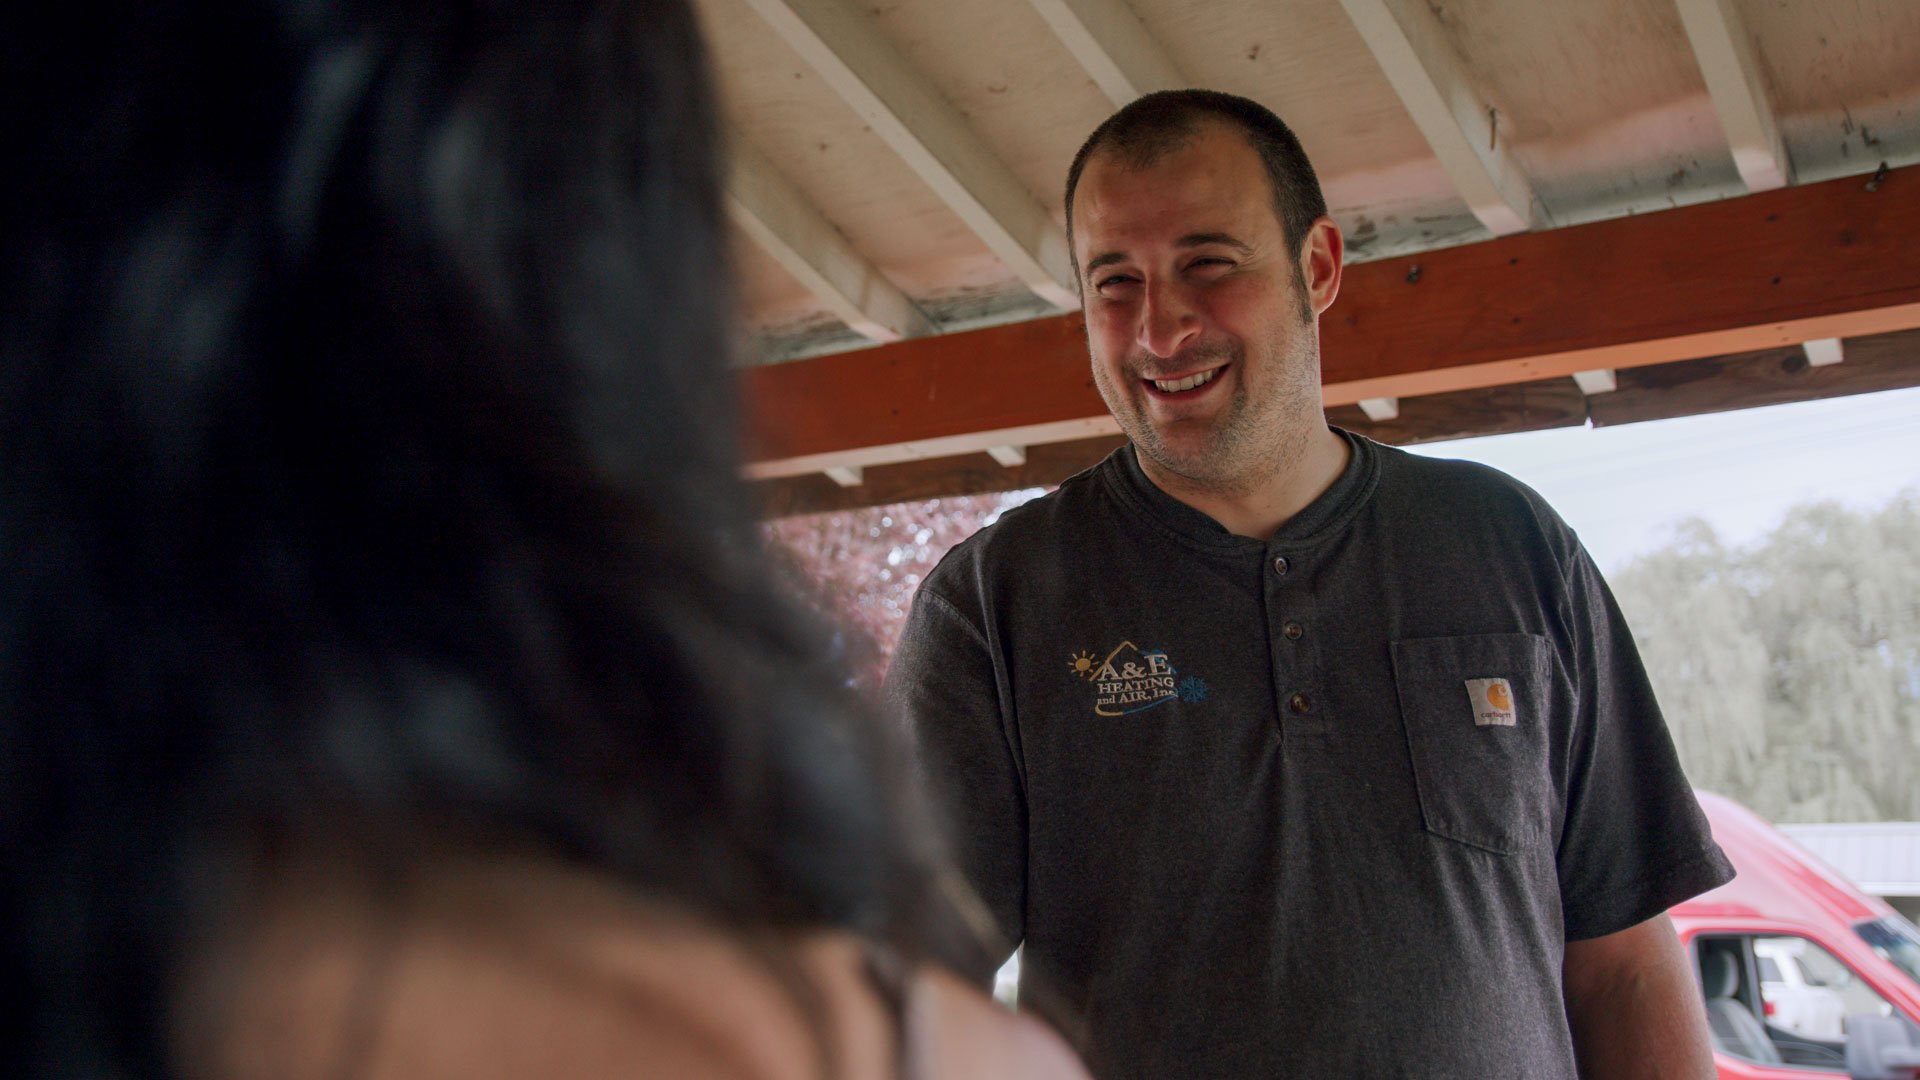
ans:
x=1160 y=123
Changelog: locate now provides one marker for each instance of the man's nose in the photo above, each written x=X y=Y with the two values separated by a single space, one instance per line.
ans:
x=1167 y=320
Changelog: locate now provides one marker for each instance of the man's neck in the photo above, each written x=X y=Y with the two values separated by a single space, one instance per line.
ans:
x=1260 y=509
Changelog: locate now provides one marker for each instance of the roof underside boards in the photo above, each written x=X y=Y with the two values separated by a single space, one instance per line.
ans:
x=923 y=143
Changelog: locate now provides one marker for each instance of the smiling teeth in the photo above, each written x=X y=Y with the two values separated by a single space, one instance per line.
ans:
x=1176 y=385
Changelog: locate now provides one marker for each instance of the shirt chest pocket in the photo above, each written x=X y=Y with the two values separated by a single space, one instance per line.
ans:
x=1475 y=710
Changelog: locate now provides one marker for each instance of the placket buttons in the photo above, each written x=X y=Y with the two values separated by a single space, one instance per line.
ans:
x=1299 y=704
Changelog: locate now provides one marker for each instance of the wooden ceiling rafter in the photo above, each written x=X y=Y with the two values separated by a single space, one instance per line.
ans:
x=1728 y=62
x=1461 y=126
x=778 y=218
x=842 y=43
x=1113 y=45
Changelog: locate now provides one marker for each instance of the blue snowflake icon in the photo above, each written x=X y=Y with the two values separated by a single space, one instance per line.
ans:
x=1192 y=689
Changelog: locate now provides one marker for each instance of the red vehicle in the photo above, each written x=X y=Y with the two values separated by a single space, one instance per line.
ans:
x=1805 y=976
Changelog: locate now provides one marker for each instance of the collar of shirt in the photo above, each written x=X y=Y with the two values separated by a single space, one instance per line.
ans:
x=1323 y=518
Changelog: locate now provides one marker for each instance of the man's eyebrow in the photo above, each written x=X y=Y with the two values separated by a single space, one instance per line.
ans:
x=1191 y=240
x=1201 y=239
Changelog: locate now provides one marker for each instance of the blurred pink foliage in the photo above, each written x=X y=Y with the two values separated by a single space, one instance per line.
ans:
x=860 y=567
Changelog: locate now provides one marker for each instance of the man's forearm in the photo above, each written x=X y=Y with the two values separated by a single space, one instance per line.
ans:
x=1635 y=1008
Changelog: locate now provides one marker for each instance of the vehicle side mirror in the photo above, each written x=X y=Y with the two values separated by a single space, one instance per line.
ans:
x=1882 y=1048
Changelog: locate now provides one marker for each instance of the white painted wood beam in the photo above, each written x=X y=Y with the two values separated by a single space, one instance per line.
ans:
x=1113 y=45
x=770 y=210
x=846 y=475
x=1824 y=352
x=944 y=446
x=1010 y=456
x=1380 y=408
x=1596 y=381
x=1725 y=51
x=1462 y=128
x=842 y=43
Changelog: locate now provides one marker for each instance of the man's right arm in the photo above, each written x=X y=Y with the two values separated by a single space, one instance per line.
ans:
x=944 y=684
x=1634 y=1007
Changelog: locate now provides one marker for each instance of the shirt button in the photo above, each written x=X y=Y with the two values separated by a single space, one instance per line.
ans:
x=1295 y=631
x=1280 y=564
x=1300 y=703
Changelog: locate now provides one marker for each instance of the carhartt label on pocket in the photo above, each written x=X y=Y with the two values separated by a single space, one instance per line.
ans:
x=1492 y=702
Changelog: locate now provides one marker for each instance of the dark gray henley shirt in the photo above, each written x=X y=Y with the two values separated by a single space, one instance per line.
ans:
x=1329 y=805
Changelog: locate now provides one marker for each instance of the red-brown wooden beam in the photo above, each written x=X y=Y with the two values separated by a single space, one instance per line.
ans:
x=1835 y=259
x=1652 y=392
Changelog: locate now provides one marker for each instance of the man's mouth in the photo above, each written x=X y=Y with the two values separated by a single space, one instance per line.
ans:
x=1185 y=383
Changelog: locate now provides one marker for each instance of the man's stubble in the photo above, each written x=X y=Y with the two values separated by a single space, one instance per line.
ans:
x=1247 y=446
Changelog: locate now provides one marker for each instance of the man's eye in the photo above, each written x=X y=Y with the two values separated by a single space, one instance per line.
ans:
x=1116 y=279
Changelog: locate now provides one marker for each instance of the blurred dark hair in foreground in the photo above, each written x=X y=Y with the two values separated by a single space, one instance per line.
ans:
x=368 y=484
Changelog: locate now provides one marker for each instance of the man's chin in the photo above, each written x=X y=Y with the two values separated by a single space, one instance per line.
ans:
x=1195 y=463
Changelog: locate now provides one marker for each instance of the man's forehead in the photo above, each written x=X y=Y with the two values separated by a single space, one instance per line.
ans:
x=1208 y=184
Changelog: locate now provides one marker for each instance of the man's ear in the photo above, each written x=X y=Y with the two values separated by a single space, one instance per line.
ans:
x=1320 y=263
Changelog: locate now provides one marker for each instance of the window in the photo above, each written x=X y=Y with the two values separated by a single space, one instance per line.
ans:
x=1781 y=999
x=1896 y=940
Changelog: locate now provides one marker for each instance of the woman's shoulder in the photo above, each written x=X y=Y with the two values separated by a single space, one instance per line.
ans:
x=498 y=971
x=954 y=1031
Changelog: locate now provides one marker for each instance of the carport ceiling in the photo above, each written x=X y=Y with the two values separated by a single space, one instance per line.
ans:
x=897 y=164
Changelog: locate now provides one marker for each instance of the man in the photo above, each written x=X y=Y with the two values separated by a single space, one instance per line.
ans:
x=1286 y=754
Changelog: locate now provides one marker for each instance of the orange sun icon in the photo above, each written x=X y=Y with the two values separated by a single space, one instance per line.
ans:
x=1498 y=697
x=1082 y=665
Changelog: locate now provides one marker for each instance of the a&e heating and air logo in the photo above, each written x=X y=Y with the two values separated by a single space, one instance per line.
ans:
x=1131 y=679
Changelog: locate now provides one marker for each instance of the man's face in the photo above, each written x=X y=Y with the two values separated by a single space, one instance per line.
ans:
x=1202 y=329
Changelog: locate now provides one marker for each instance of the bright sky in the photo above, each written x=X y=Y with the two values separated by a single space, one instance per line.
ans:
x=1622 y=488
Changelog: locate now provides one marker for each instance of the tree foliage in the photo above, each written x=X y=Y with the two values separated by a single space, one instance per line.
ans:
x=861 y=567
x=1789 y=672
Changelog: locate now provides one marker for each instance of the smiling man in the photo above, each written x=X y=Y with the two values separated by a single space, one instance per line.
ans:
x=1286 y=754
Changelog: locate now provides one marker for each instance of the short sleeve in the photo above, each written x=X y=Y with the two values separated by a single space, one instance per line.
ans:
x=943 y=684
x=1634 y=841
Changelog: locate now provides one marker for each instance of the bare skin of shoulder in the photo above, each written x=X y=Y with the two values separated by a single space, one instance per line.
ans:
x=501 y=969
